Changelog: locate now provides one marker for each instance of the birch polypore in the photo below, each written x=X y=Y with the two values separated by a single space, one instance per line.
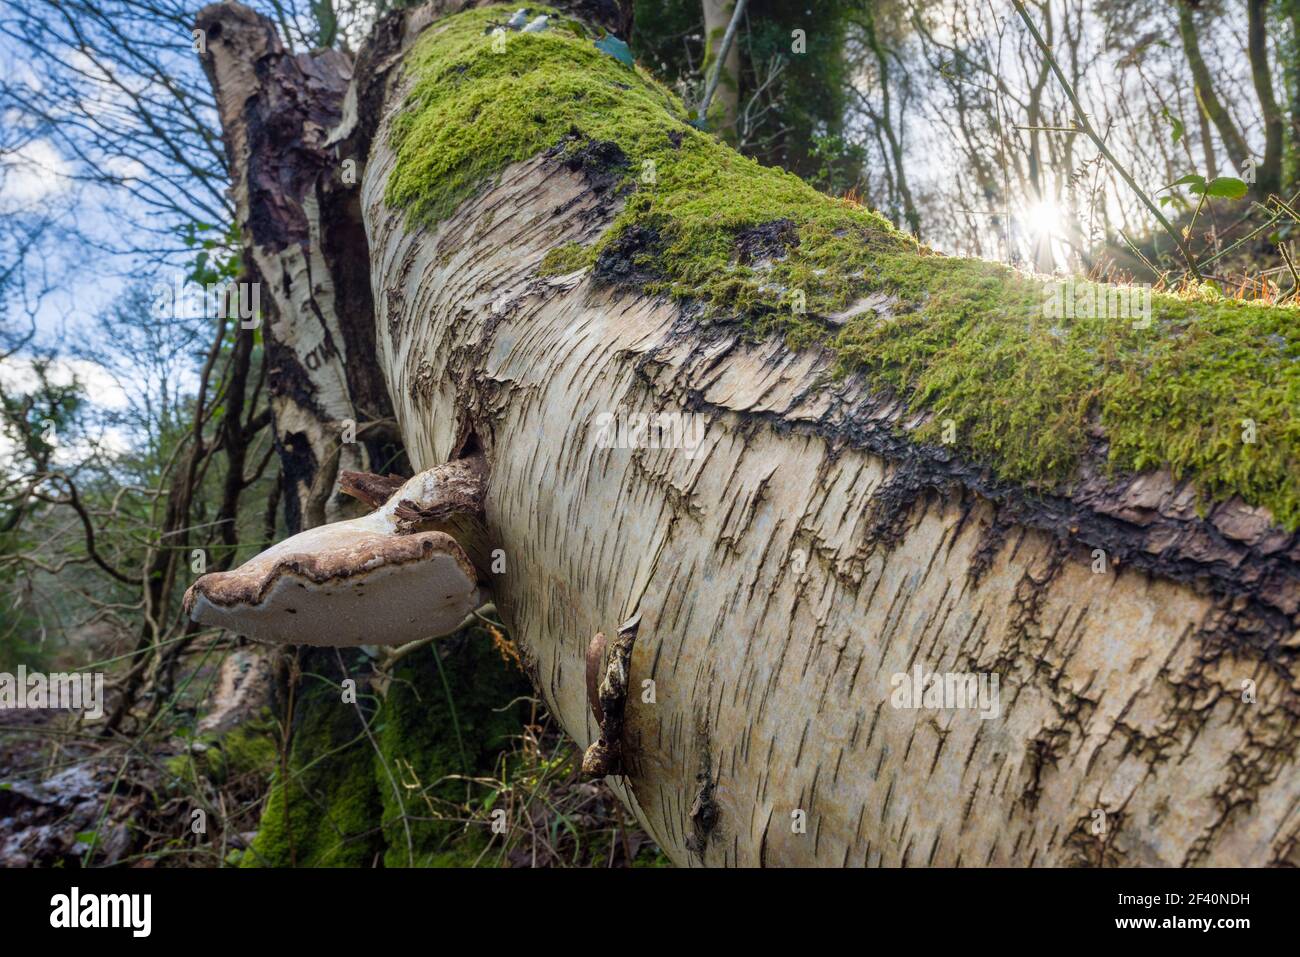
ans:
x=382 y=579
x=814 y=548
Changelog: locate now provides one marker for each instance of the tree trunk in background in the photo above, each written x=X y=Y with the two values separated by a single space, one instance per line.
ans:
x=725 y=108
x=1205 y=95
x=1268 y=177
x=296 y=200
x=1207 y=140
x=1291 y=10
x=1043 y=258
x=886 y=123
x=296 y=205
x=808 y=554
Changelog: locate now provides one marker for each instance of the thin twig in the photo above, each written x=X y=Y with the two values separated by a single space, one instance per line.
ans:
x=1295 y=277
x=723 y=50
x=1082 y=120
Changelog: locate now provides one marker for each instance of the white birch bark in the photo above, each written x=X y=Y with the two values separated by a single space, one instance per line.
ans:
x=781 y=586
x=804 y=556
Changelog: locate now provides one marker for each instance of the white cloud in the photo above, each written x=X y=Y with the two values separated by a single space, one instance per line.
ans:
x=125 y=167
x=100 y=387
x=31 y=173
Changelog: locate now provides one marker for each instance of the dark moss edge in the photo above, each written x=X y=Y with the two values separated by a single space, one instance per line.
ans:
x=1251 y=592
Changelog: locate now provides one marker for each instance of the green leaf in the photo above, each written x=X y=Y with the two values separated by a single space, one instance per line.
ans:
x=1228 y=187
x=615 y=48
x=1175 y=122
x=1191 y=179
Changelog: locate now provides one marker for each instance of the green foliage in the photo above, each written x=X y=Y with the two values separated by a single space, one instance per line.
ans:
x=1228 y=187
x=31 y=423
x=216 y=252
x=1176 y=128
x=32 y=420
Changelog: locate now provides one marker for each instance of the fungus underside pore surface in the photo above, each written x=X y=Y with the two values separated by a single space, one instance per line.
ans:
x=966 y=340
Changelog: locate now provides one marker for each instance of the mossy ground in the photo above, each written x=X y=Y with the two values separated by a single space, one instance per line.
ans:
x=343 y=808
x=966 y=339
x=248 y=750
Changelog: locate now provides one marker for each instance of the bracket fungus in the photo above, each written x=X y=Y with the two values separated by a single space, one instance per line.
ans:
x=400 y=573
x=608 y=699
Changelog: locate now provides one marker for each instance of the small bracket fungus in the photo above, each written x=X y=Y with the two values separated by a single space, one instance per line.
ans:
x=605 y=755
x=386 y=578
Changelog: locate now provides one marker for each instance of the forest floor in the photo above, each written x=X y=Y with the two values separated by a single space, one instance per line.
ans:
x=73 y=796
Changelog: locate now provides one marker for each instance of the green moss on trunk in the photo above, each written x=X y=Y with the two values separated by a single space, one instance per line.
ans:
x=327 y=815
x=966 y=340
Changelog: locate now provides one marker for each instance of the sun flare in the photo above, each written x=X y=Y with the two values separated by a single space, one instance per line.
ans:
x=1043 y=218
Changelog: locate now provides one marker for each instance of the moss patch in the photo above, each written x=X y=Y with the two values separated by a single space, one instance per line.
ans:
x=342 y=810
x=327 y=814
x=1189 y=390
x=432 y=740
x=248 y=750
x=563 y=259
x=966 y=340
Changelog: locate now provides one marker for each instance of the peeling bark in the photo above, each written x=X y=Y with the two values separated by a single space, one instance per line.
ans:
x=809 y=554
x=304 y=242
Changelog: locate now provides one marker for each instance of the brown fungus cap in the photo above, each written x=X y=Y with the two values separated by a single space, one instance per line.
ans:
x=341 y=585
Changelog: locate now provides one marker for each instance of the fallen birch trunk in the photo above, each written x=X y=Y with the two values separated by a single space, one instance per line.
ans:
x=871 y=607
